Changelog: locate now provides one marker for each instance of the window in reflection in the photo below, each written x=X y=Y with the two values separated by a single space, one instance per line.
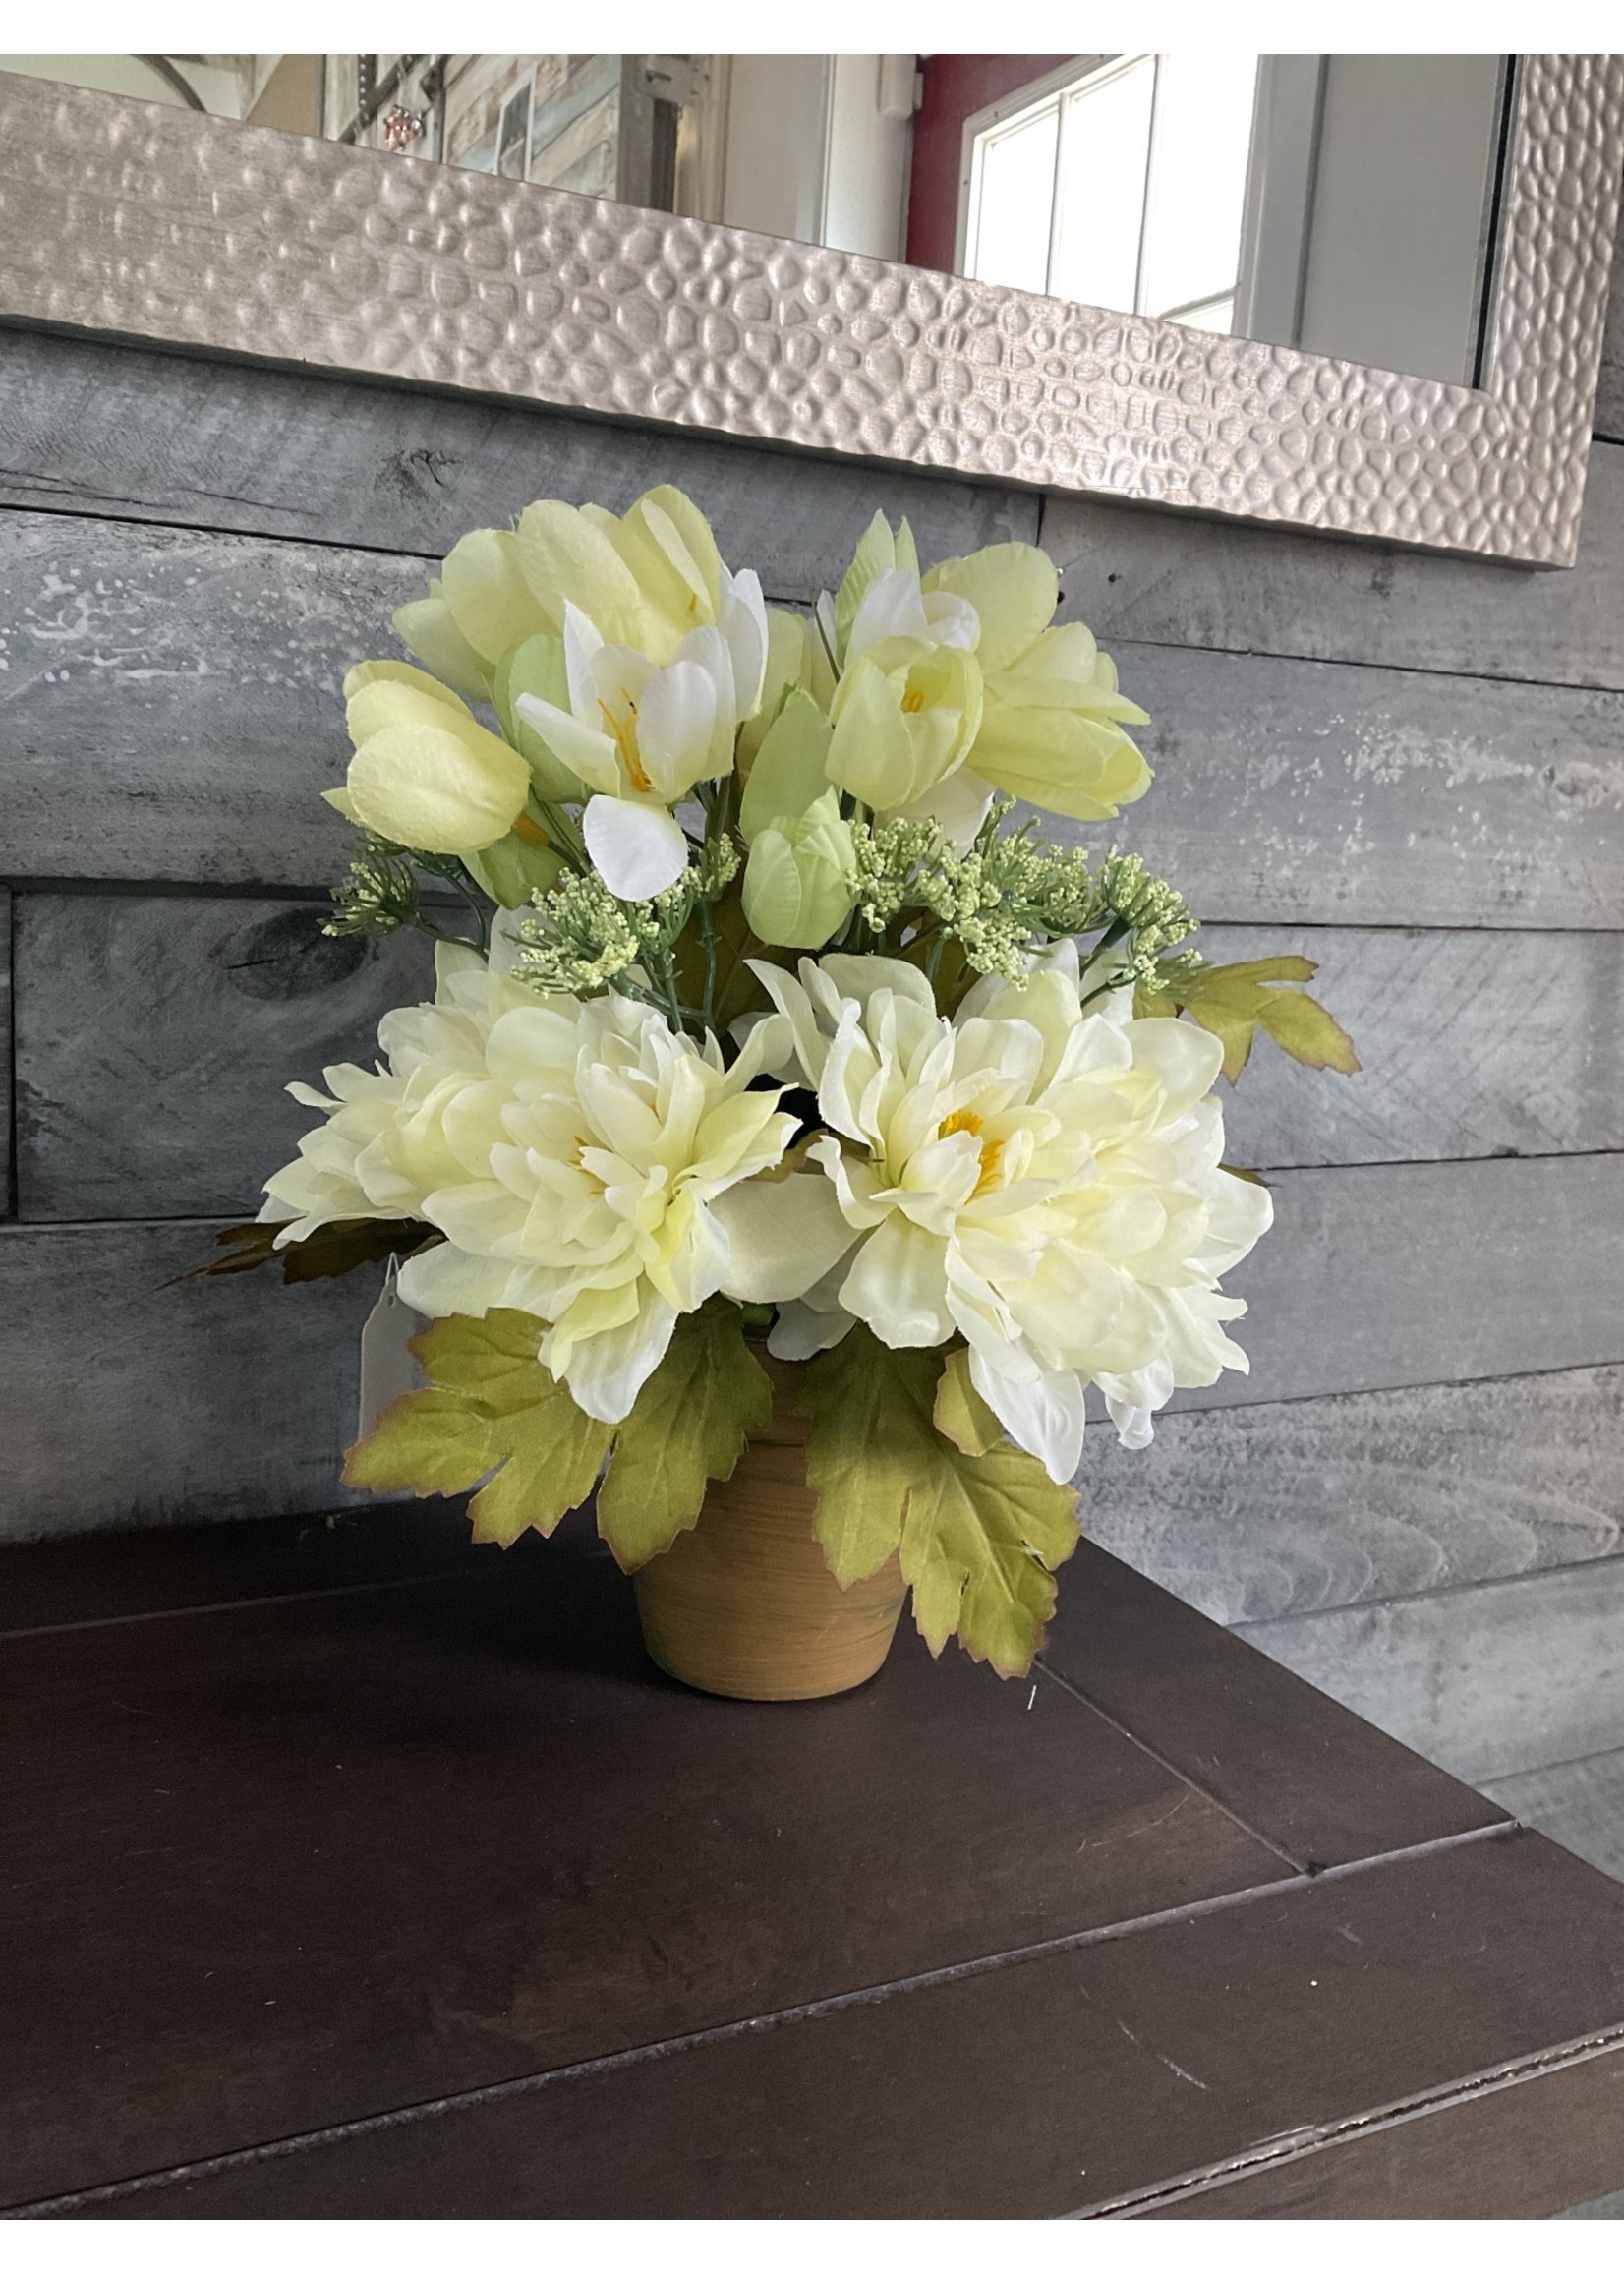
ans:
x=1124 y=186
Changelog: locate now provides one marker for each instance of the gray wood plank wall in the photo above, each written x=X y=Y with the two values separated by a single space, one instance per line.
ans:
x=1411 y=769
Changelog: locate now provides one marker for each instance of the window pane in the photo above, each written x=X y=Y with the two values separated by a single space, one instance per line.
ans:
x=1197 y=179
x=1212 y=315
x=1010 y=237
x=1105 y=145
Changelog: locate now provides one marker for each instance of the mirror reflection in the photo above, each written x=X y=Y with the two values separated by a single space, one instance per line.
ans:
x=1339 y=203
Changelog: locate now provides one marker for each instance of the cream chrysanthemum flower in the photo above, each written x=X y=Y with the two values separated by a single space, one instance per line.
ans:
x=1041 y=1178
x=595 y=1163
x=382 y=1148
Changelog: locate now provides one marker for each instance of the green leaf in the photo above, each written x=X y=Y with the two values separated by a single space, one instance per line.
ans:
x=858 y=1452
x=1232 y=1029
x=431 y=1440
x=491 y=1360
x=326 y=1254
x=333 y=1249
x=551 y=1454
x=962 y=1412
x=1306 y=1030
x=689 y=1424
x=491 y=1410
x=1233 y=1000
x=979 y=1534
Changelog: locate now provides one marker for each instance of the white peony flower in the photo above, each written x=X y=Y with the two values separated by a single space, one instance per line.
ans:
x=1042 y=1180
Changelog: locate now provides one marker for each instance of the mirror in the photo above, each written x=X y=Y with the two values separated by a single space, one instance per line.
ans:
x=1359 y=294
x=1343 y=204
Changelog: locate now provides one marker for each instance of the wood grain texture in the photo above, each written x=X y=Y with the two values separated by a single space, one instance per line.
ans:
x=1378 y=1278
x=8 y=1191
x=1334 y=794
x=1528 y=2148
x=169 y=709
x=1471 y=1043
x=127 y=1401
x=1580 y=1804
x=1322 y=1785
x=1141 y=575
x=417 y=1839
x=88 y=427
x=1268 y=1511
x=1041 y=2089
x=1485 y=1680
x=155 y=1036
x=169 y=706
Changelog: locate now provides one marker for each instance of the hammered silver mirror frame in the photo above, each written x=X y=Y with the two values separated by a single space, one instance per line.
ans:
x=168 y=228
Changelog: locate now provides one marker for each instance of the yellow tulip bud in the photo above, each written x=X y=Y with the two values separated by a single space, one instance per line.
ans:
x=800 y=879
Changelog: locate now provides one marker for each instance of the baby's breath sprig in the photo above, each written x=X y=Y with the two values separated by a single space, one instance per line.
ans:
x=1008 y=895
x=579 y=940
x=381 y=890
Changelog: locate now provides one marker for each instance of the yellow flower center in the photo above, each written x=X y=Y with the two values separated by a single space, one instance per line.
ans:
x=992 y=1153
x=992 y=1149
x=624 y=731
x=915 y=699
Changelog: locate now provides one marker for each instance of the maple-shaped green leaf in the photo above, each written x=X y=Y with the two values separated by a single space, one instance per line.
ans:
x=689 y=1424
x=979 y=1533
x=962 y=1412
x=1231 y=1001
x=858 y=1450
x=491 y=1410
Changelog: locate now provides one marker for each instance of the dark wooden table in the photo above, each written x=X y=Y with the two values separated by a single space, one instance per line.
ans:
x=351 y=1870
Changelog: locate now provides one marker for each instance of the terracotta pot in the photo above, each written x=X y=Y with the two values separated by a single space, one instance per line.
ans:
x=744 y=1604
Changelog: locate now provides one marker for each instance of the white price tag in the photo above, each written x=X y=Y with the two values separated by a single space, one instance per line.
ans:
x=388 y=1368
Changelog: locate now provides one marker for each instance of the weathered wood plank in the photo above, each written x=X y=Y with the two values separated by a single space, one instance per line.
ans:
x=128 y=1401
x=87 y=428
x=168 y=709
x=1580 y=1804
x=1332 y=793
x=170 y=703
x=1270 y=1511
x=155 y=1034
x=1471 y=1043
x=1487 y=1681
x=1383 y=1278
x=8 y=1196
x=1144 y=575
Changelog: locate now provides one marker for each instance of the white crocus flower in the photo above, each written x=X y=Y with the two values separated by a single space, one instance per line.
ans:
x=640 y=735
x=1041 y=1180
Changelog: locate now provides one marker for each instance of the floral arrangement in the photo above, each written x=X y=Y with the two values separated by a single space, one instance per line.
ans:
x=768 y=1027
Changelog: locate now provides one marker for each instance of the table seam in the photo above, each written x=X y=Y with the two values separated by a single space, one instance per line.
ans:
x=812 y=2010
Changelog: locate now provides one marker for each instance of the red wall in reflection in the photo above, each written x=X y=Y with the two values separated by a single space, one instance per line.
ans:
x=956 y=86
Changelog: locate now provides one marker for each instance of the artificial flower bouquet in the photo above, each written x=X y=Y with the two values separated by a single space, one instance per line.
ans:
x=773 y=1037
